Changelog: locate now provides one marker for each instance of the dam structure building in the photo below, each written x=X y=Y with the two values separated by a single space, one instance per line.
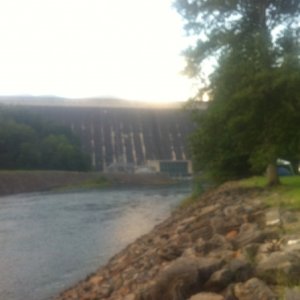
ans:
x=128 y=139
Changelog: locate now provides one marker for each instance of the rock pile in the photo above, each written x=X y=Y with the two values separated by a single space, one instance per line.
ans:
x=227 y=246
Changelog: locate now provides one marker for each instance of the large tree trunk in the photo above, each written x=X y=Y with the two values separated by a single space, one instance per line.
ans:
x=272 y=175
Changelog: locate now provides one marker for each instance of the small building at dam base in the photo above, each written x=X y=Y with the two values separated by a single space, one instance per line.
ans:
x=172 y=168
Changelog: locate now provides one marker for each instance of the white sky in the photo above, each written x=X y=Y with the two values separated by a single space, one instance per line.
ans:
x=83 y=48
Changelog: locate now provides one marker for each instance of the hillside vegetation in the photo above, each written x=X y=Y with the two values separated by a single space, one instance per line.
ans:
x=30 y=143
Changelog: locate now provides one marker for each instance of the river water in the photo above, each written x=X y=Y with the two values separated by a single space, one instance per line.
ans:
x=49 y=241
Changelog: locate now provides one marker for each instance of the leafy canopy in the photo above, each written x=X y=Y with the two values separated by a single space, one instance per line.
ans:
x=254 y=111
x=27 y=142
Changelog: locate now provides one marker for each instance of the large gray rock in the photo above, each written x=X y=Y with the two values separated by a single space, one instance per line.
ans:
x=217 y=243
x=202 y=229
x=250 y=251
x=208 y=210
x=183 y=278
x=207 y=266
x=241 y=268
x=219 y=280
x=177 y=282
x=249 y=233
x=170 y=252
x=292 y=293
x=222 y=225
x=281 y=267
x=253 y=289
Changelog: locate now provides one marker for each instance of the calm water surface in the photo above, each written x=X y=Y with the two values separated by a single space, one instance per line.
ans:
x=49 y=241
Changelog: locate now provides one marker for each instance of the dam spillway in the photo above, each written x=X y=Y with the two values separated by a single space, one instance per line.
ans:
x=125 y=136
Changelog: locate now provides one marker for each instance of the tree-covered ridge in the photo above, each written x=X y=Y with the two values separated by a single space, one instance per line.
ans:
x=255 y=89
x=28 y=142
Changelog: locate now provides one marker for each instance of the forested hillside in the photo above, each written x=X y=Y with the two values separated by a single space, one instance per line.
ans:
x=29 y=142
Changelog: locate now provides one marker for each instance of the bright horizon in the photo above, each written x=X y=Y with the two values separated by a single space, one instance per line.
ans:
x=93 y=48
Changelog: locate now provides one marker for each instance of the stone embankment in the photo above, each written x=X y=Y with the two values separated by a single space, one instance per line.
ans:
x=227 y=246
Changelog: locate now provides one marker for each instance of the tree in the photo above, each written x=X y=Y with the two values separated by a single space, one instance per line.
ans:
x=12 y=138
x=255 y=88
x=27 y=142
x=59 y=154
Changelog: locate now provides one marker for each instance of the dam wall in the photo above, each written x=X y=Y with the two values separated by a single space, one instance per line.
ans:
x=122 y=136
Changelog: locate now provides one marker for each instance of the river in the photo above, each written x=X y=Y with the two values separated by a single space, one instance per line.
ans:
x=49 y=241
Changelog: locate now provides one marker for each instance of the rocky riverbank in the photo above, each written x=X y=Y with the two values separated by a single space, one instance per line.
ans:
x=229 y=245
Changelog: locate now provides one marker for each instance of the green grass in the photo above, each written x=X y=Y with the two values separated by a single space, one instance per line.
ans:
x=186 y=202
x=256 y=181
x=287 y=195
x=196 y=193
x=97 y=183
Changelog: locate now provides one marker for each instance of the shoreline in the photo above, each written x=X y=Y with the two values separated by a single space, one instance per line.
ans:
x=225 y=246
x=17 y=182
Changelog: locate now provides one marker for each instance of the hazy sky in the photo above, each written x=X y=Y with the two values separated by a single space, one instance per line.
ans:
x=83 y=48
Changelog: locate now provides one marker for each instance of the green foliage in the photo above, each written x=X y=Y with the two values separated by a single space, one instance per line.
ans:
x=255 y=88
x=27 y=142
x=197 y=190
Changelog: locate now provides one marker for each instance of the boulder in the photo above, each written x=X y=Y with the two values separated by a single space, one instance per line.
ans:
x=176 y=282
x=250 y=251
x=208 y=210
x=219 y=280
x=249 y=233
x=170 y=252
x=207 y=266
x=292 y=293
x=202 y=230
x=241 y=268
x=253 y=289
x=217 y=243
x=281 y=267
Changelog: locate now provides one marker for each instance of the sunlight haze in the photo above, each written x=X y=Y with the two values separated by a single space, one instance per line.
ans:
x=93 y=48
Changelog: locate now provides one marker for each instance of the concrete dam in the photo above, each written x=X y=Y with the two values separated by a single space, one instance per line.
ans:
x=127 y=139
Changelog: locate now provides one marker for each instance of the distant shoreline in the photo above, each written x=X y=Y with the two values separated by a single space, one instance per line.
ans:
x=17 y=182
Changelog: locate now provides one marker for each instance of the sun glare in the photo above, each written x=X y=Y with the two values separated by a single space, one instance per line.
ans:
x=205 y=97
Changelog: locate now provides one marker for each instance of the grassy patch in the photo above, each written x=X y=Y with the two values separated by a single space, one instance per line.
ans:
x=196 y=193
x=286 y=195
x=188 y=201
x=95 y=183
x=256 y=181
